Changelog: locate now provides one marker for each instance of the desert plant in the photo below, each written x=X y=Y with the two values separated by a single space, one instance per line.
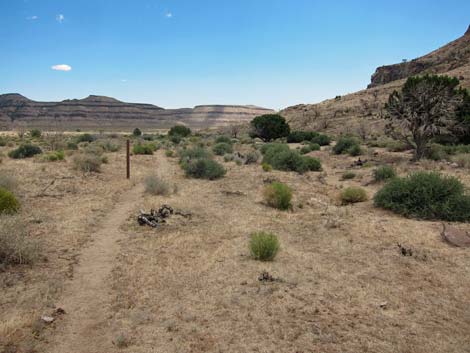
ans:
x=145 y=149
x=204 y=168
x=426 y=195
x=252 y=157
x=16 y=246
x=35 y=133
x=3 y=141
x=25 y=151
x=194 y=153
x=223 y=139
x=278 y=195
x=85 y=138
x=266 y=167
x=281 y=157
x=156 y=186
x=264 y=246
x=427 y=106
x=301 y=136
x=137 y=132
x=269 y=127
x=87 y=162
x=309 y=148
x=8 y=181
x=179 y=130
x=169 y=153
x=229 y=157
x=345 y=144
x=384 y=172
x=353 y=194
x=462 y=160
x=222 y=148
x=54 y=156
x=348 y=175
x=8 y=202
x=108 y=145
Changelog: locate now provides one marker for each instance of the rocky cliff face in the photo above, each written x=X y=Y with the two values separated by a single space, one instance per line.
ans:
x=363 y=110
x=106 y=112
x=447 y=58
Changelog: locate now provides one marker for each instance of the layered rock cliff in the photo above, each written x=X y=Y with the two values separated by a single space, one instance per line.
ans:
x=106 y=112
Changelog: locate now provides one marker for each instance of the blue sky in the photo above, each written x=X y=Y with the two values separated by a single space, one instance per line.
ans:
x=180 y=53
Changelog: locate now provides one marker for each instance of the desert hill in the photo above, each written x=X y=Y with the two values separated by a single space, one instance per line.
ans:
x=105 y=112
x=346 y=113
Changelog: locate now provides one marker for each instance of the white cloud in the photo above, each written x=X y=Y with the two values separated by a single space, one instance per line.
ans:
x=61 y=67
x=168 y=15
x=124 y=80
x=60 y=18
x=32 y=18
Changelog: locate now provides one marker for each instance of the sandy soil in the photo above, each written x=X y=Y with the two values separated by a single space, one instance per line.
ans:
x=190 y=286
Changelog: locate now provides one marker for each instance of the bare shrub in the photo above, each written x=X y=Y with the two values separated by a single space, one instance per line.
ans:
x=155 y=185
x=16 y=247
x=8 y=181
x=87 y=162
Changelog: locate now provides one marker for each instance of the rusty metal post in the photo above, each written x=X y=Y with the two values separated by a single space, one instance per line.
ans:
x=128 y=158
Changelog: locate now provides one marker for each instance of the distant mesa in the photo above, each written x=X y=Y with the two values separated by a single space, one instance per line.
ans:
x=106 y=112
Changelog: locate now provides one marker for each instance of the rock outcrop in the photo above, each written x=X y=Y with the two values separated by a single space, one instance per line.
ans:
x=106 y=112
x=447 y=58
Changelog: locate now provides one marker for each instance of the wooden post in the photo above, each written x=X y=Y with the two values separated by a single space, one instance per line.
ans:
x=128 y=158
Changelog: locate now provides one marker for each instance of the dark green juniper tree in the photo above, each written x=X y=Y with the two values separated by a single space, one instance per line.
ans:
x=269 y=127
x=427 y=107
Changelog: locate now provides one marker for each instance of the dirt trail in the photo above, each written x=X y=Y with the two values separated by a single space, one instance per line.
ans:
x=87 y=298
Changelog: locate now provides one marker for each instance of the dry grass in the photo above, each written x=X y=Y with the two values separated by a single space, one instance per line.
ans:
x=341 y=284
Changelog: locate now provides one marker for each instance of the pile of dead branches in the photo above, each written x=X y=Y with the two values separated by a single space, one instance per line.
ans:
x=155 y=217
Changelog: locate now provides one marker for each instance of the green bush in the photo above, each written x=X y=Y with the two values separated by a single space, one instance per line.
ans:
x=87 y=162
x=54 y=156
x=3 y=141
x=145 y=149
x=426 y=195
x=8 y=202
x=169 y=153
x=322 y=140
x=266 y=167
x=355 y=150
x=85 y=138
x=194 y=153
x=108 y=145
x=223 y=139
x=311 y=136
x=278 y=195
x=309 y=148
x=25 y=151
x=204 y=168
x=179 y=130
x=301 y=136
x=252 y=157
x=264 y=246
x=35 y=133
x=281 y=157
x=137 y=132
x=348 y=175
x=353 y=195
x=176 y=139
x=229 y=157
x=16 y=246
x=71 y=145
x=346 y=144
x=384 y=172
x=222 y=148
x=269 y=127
